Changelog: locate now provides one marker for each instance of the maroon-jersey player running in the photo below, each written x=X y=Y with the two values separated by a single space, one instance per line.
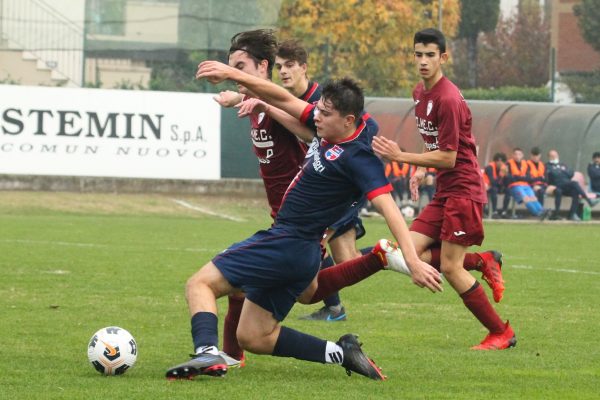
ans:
x=454 y=216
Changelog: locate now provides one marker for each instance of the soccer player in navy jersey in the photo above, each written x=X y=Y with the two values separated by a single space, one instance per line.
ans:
x=280 y=156
x=277 y=266
x=292 y=63
x=454 y=217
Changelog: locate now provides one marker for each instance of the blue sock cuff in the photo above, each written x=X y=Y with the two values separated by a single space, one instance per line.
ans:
x=205 y=329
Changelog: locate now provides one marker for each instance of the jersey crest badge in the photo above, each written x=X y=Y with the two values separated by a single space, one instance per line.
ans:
x=334 y=153
x=429 y=106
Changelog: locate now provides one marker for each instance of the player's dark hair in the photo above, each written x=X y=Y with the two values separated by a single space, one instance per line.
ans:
x=259 y=44
x=431 y=35
x=293 y=50
x=500 y=157
x=535 y=151
x=345 y=95
x=596 y=154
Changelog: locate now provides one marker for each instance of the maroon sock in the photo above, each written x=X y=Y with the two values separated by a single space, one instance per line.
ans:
x=348 y=273
x=435 y=257
x=472 y=261
x=477 y=302
x=232 y=319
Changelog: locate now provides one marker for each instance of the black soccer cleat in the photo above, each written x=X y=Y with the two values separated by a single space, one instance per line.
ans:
x=200 y=364
x=355 y=360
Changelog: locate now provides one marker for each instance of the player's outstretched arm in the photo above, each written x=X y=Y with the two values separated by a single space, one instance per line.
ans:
x=290 y=123
x=423 y=274
x=390 y=150
x=216 y=72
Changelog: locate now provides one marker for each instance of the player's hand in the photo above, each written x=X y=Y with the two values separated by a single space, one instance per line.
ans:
x=414 y=183
x=386 y=148
x=424 y=275
x=251 y=106
x=213 y=71
x=228 y=98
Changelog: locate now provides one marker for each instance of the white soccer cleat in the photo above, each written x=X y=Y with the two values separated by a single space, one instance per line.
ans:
x=391 y=256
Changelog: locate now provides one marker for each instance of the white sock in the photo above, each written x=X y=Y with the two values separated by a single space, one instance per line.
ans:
x=207 y=349
x=334 y=354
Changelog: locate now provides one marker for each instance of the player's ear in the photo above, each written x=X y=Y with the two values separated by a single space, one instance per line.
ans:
x=443 y=58
x=263 y=66
x=349 y=120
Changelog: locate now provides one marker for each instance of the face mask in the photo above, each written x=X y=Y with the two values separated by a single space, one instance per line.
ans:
x=553 y=161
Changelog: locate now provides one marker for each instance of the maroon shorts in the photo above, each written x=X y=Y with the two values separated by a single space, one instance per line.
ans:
x=451 y=219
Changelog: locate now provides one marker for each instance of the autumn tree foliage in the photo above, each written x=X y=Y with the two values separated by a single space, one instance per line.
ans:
x=476 y=16
x=588 y=15
x=517 y=52
x=368 y=40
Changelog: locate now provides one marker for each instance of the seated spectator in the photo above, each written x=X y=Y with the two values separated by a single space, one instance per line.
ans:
x=428 y=185
x=559 y=175
x=518 y=180
x=594 y=173
x=537 y=171
x=398 y=175
x=494 y=178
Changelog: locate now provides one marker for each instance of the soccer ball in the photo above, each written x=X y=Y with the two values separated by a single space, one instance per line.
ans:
x=112 y=350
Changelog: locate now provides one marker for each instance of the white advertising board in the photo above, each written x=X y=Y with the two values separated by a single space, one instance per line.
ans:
x=109 y=133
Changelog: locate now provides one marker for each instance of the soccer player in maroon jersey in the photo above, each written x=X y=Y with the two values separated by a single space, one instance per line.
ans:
x=454 y=217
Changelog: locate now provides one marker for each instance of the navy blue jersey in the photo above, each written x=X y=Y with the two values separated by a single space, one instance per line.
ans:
x=313 y=93
x=334 y=177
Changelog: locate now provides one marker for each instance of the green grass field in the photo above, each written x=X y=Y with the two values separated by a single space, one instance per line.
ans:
x=73 y=263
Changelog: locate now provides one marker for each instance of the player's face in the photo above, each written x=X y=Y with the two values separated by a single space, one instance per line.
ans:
x=429 y=61
x=331 y=125
x=241 y=60
x=291 y=73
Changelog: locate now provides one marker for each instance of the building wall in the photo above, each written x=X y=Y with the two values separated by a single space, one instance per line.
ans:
x=573 y=53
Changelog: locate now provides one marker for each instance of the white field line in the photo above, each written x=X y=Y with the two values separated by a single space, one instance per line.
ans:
x=205 y=211
x=98 y=245
x=570 y=271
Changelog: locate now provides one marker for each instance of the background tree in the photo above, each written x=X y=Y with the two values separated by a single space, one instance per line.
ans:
x=523 y=38
x=588 y=14
x=369 y=40
x=476 y=16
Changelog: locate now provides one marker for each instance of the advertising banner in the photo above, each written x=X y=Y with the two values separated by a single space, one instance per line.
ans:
x=109 y=133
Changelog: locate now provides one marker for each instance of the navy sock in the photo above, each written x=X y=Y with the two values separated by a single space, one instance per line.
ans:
x=292 y=343
x=205 y=329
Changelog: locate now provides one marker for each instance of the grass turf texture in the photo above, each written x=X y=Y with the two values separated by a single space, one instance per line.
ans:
x=72 y=263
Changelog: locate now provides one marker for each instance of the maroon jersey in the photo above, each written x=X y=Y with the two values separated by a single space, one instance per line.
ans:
x=444 y=121
x=280 y=156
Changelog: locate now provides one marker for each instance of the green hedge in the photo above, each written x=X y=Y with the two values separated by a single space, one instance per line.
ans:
x=584 y=85
x=512 y=93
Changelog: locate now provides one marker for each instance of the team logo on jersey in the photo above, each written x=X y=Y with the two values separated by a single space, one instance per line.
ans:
x=429 y=106
x=334 y=153
x=261 y=116
x=417 y=102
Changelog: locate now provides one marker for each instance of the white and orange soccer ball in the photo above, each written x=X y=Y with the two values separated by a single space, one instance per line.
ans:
x=112 y=350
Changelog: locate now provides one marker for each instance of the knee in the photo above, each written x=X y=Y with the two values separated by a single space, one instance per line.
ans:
x=194 y=283
x=257 y=343
x=449 y=268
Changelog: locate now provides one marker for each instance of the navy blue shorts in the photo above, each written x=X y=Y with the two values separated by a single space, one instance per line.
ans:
x=350 y=220
x=272 y=267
